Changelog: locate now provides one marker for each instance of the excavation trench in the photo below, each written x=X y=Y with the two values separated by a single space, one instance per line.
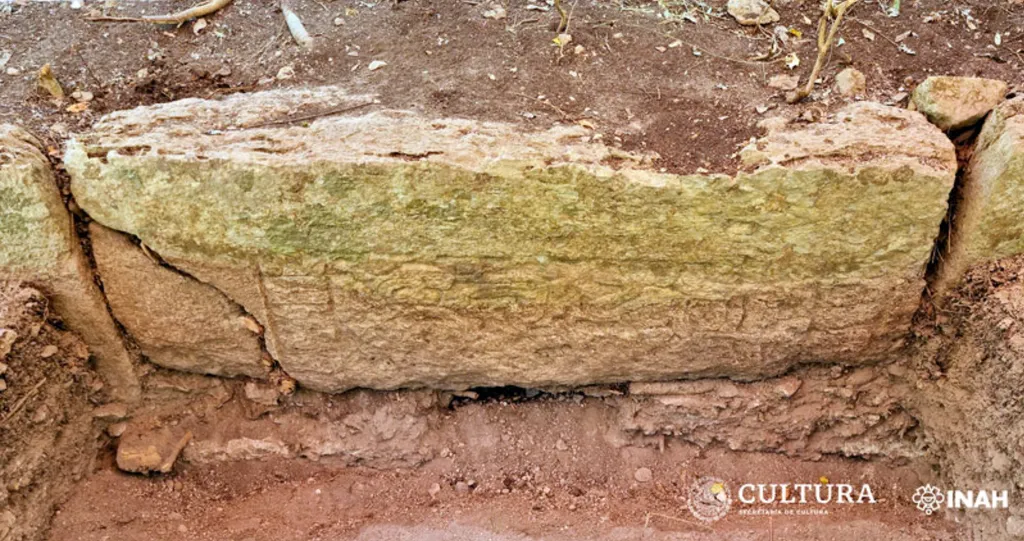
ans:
x=546 y=383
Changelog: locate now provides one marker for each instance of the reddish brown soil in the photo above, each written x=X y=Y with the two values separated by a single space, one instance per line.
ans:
x=526 y=483
x=693 y=110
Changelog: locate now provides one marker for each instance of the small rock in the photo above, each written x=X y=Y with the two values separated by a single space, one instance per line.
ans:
x=59 y=129
x=851 y=82
x=13 y=71
x=115 y=430
x=434 y=490
x=261 y=394
x=496 y=12
x=561 y=445
x=376 y=65
x=48 y=351
x=7 y=339
x=953 y=103
x=462 y=487
x=150 y=451
x=788 y=386
x=41 y=414
x=338 y=21
x=784 y=82
x=82 y=95
x=861 y=376
x=112 y=412
x=286 y=72
x=3 y=368
x=1015 y=526
x=752 y=12
x=643 y=475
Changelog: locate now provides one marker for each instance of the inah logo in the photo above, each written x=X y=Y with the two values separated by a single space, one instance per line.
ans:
x=929 y=499
x=709 y=499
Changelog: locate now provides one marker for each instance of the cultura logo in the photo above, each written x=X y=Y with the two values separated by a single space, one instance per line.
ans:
x=930 y=499
x=709 y=499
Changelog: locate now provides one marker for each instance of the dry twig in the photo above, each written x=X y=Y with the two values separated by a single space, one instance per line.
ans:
x=178 y=18
x=831 y=13
x=563 y=23
x=21 y=403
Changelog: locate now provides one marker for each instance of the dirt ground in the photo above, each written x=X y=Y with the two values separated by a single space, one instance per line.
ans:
x=540 y=469
x=46 y=431
x=639 y=73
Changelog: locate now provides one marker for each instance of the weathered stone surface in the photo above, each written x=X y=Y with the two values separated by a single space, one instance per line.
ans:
x=952 y=103
x=177 y=321
x=389 y=250
x=150 y=451
x=752 y=12
x=808 y=414
x=39 y=246
x=989 y=219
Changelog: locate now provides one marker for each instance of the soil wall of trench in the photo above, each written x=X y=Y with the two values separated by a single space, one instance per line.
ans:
x=232 y=266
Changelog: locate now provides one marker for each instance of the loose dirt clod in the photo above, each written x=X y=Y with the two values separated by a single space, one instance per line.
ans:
x=150 y=451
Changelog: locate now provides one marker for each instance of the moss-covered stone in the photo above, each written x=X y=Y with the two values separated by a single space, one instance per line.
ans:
x=39 y=245
x=391 y=250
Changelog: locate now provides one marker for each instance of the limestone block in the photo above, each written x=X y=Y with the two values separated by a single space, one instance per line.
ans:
x=952 y=103
x=389 y=250
x=988 y=222
x=177 y=321
x=38 y=244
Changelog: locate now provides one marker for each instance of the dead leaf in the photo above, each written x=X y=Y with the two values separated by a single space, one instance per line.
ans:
x=49 y=83
x=868 y=34
x=78 y=108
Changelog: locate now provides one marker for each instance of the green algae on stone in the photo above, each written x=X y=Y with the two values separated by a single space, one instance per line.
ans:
x=38 y=245
x=389 y=250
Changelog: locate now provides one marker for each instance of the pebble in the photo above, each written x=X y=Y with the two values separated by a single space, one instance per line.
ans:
x=561 y=445
x=851 y=82
x=643 y=475
x=752 y=12
x=286 y=72
x=434 y=490
x=115 y=430
x=48 y=351
x=462 y=487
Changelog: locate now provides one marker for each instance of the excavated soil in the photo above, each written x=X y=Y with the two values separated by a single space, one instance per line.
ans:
x=46 y=436
x=542 y=469
x=689 y=91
